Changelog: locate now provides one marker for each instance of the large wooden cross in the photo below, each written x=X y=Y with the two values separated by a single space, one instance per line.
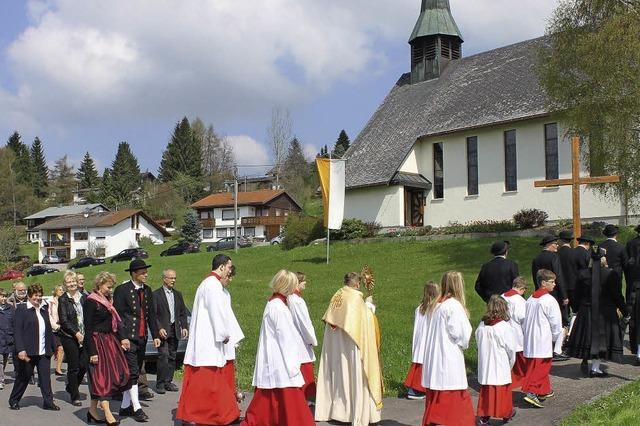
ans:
x=575 y=181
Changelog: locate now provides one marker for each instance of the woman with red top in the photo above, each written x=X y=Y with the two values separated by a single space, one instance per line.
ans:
x=517 y=309
x=278 y=399
x=496 y=355
x=430 y=299
x=304 y=326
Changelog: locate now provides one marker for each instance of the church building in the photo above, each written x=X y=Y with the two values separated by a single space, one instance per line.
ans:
x=460 y=139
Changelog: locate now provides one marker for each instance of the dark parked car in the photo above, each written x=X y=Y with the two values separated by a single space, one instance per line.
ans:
x=87 y=261
x=227 y=243
x=52 y=258
x=130 y=254
x=11 y=275
x=181 y=247
x=40 y=269
x=151 y=353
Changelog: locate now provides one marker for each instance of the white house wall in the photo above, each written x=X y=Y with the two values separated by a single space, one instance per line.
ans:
x=382 y=204
x=243 y=211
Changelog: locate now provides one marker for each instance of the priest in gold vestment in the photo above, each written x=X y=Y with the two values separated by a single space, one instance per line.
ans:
x=349 y=385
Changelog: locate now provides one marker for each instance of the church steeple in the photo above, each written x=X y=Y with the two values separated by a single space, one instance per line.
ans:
x=435 y=41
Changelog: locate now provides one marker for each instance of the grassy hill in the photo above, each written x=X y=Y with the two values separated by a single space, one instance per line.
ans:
x=400 y=269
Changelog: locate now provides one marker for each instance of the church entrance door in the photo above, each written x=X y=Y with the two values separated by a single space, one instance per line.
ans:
x=414 y=207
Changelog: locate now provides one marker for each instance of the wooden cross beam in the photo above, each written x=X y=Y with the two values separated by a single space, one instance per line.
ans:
x=575 y=181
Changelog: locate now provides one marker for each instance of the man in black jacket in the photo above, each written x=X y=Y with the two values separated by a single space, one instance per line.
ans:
x=548 y=259
x=615 y=252
x=566 y=254
x=497 y=275
x=134 y=302
x=171 y=314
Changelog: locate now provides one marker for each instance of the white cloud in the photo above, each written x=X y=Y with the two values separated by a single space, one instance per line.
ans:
x=310 y=151
x=249 y=152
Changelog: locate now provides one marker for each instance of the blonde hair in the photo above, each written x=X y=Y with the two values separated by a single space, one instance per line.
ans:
x=102 y=278
x=68 y=274
x=56 y=288
x=284 y=282
x=430 y=298
x=452 y=285
x=519 y=283
x=497 y=309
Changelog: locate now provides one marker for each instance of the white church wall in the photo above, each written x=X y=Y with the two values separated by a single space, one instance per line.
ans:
x=382 y=204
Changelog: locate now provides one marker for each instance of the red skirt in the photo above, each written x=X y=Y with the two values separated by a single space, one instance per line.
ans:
x=111 y=374
x=537 y=378
x=414 y=378
x=451 y=408
x=495 y=401
x=518 y=371
x=309 y=388
x=280 y=406
x=208 y=395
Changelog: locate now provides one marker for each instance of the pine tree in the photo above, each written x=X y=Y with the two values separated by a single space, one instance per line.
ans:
x=87 y=174
x=182 y=155
x=63 y=182
x=192 y=229
x=295 y=173
x=341 y=145
x=40 y=169
x=22 y=163
x=105 y=194
x=124 y=178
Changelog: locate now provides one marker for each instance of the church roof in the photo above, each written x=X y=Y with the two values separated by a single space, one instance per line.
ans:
x=498 y=86
x=435 y=18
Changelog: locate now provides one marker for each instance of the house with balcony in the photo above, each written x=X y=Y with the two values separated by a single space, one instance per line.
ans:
x=36 y=219
x=98 y=234
x=260 y=214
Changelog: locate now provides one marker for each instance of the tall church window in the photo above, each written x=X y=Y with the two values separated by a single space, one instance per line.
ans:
x=472 y=165
x=510 y=161
x=438 y=171
x=551 y=150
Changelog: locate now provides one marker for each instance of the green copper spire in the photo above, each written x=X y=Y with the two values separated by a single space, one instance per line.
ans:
x=435 y=19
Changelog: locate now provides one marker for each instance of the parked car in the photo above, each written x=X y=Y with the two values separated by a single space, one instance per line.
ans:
x=228 y=243
x=86 y=261
x=277 y=239
x=52 y=258
x=40 y=269
x=130 y=254
x=151 y=352
x=181 y=247
x=11 y=274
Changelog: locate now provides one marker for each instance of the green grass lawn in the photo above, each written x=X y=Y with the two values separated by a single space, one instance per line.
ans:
x=620 y=408
x=400 y=269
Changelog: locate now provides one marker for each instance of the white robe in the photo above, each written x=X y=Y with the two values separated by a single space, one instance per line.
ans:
x=212 y=322
x=420 y=329
x=542 y=326
x=302 y=321
x=235 y=332
x=342 y=391
x=448 y=336
x=517 y=309
x=496 y=353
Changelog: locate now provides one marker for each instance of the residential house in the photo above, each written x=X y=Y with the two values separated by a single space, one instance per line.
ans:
x=49 y=213
x=100 y=234
x=260 y=214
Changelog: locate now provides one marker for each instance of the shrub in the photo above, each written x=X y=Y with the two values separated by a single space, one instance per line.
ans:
x=530 y=218
x=145 y=243
x=479 y=226
x=355 y=228
x=301 y=230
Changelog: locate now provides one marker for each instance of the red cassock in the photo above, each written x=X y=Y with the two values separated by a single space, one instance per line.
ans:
x=279 y=406
x=414 y=378
x=537 y=378
x=495 y=401
x=309 y=388
x=209 y=395
x=518 y=371
x=450 y=408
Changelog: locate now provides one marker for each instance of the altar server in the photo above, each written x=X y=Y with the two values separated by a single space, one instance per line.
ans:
x=448 y=400
x=542 y=327
x=430 y=299
x=517 y=309
x=304 y=326
x=496 y=356
x=278 y=399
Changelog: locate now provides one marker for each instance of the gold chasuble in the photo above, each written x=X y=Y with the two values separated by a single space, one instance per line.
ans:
x=348 y=312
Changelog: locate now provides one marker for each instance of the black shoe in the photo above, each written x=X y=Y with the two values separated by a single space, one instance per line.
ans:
x=76 y=403
x=584 y=366
x=91 y=419
x=14 y=406
x=597 y=374
x=160 y=389
x=560 y=357
x=171 y=387
x=146 y=396
x=637 y=362
x=126 y=412
x=140 y=416
x=51 y=407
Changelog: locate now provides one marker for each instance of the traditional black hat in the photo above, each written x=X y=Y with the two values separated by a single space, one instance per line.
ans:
x=586 y=239
x=610 y=231
x=136 y=265
x=548 y=239
x=565 y=235
x=499 y=248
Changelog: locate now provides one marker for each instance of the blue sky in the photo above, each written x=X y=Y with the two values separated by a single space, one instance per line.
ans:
x=83 y=75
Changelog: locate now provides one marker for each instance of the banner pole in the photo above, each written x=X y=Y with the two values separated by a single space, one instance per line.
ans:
x=328 y=245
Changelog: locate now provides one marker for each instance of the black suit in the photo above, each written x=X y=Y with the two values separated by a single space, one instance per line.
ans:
x=168 y=347
x=127 y=301
x=616 y=255
x=632 y=271
x=73 y=352
x=581 y=260
x=549 y=260
x=27 y=338
x=496 y=277
x=567 y=263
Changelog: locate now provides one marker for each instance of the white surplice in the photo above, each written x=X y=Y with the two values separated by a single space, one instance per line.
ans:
x=449 y=332
x=496 y=353
x=302 y=321
x=235 y=332
x=542 y=326
x=212 y=322
x=420 y=329
x=277 y=366
x=517 y=310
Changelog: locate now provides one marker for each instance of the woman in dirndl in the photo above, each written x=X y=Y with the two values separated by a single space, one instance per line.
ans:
x=107 y=365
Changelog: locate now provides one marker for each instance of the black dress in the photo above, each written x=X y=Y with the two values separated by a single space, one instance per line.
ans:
x=596 y=333
x=632 y=276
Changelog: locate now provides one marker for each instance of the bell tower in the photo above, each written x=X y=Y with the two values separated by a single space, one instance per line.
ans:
x=435 y=41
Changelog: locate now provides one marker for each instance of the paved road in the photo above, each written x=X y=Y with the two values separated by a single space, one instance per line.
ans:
x=571 y=389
